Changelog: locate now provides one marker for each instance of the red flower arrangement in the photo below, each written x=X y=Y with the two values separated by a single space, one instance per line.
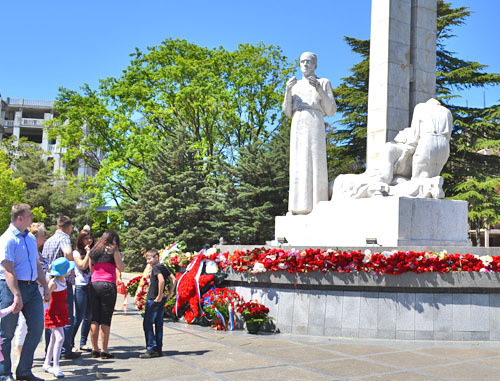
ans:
x=219 y=305
x=253 y=310
x=396 y=262
x=254 y=314
x=133 y=284
x=142 y=289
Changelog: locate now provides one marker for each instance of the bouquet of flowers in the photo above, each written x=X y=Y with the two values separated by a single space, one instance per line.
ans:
x=218 y=307
x=174 y=256
x=142 y=289
x=133 y=284
x=254 y=314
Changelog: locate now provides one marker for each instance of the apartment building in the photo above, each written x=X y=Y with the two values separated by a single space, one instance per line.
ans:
x=25 y=118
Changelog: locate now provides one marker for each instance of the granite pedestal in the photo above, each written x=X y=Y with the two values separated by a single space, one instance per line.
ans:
x=392 y=221
x=431 y=306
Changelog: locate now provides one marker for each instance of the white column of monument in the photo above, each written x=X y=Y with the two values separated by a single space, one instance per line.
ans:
x=402 y=67
x=423 y=51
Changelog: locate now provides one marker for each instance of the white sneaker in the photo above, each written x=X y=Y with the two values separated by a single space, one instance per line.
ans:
x=57 y=372
x=46 y=368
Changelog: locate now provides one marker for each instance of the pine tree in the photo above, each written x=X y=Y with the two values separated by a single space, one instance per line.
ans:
x=470 y=174
x=171 y=204
x=347 y=142
x=261 y=185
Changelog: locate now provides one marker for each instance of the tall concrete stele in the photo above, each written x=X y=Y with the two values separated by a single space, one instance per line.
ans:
x=402 y=75
x=402 y=67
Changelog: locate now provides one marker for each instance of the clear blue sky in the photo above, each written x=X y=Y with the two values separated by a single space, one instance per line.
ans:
x=52 y=43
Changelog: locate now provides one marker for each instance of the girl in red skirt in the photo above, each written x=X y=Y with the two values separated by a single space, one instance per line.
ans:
x=56 y=315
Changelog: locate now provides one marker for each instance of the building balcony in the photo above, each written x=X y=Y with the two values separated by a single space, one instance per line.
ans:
x=29 y=102
x=30 y=122
x=25 y=122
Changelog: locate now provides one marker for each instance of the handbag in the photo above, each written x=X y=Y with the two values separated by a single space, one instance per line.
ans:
x=121 y=288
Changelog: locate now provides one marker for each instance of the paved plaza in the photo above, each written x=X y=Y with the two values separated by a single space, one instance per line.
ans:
x=200 y=353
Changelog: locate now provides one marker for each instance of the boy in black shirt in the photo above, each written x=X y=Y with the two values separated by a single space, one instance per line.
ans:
x=155 y=305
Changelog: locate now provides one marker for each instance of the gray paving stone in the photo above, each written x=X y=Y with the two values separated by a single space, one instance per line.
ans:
x=405 y=315
x=285 y=328
x=461 y=312
x=255 y=293
x=334 y=331
x=269 y=297
x=368 y=310
x=315 y=330
x=424 y=335
x=285 y=307
x=424 y=315
x=494 y=312
x=301 y=309
x=333 y=312
x=350 y=310
x=405 y=335
x=317 y=308
x=299 y=329
x=367 y=333
x=386 y=334
x=462 y=336
x=244 y=292
x=440 y=335
x=443 y=313
x=258 y=294
x=480 y=336
x=387 y=312
x=200 y=353
x=479 y=312
x=349 y=332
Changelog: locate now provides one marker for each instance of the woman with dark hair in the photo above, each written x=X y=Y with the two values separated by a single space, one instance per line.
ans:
x=105 y=259
x=83 y=244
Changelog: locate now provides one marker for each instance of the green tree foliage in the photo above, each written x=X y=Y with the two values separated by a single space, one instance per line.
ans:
x=483 y=196
x=347 y=141
x=222 y=99
x=261 y=185
x=172 y=203
x=11 y=191
x=470 y=174
x=198 y=200
x=49 y=195
x=474 y=132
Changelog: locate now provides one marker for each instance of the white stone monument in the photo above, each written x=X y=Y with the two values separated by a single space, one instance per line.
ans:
x=372 y=207
x=402 y=67
x=408 y=166
x=307 y=101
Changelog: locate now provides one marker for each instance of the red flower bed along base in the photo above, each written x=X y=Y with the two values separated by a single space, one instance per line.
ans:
x=310 y=260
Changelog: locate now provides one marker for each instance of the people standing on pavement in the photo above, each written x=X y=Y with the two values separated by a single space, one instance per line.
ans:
x=105 y=259
x=38 y=231
x=57 y=246
x=83 y=314
x=19 y=272
x=155 y=305
x=56 y=315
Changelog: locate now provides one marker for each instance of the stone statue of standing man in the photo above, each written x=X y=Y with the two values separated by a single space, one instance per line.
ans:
x=307 y=101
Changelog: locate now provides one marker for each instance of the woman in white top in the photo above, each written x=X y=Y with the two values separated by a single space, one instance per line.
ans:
x=83 y=245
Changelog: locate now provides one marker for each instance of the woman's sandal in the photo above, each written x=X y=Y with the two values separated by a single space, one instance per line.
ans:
x=85 y=348
x=106 y=355
x=96 y=354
